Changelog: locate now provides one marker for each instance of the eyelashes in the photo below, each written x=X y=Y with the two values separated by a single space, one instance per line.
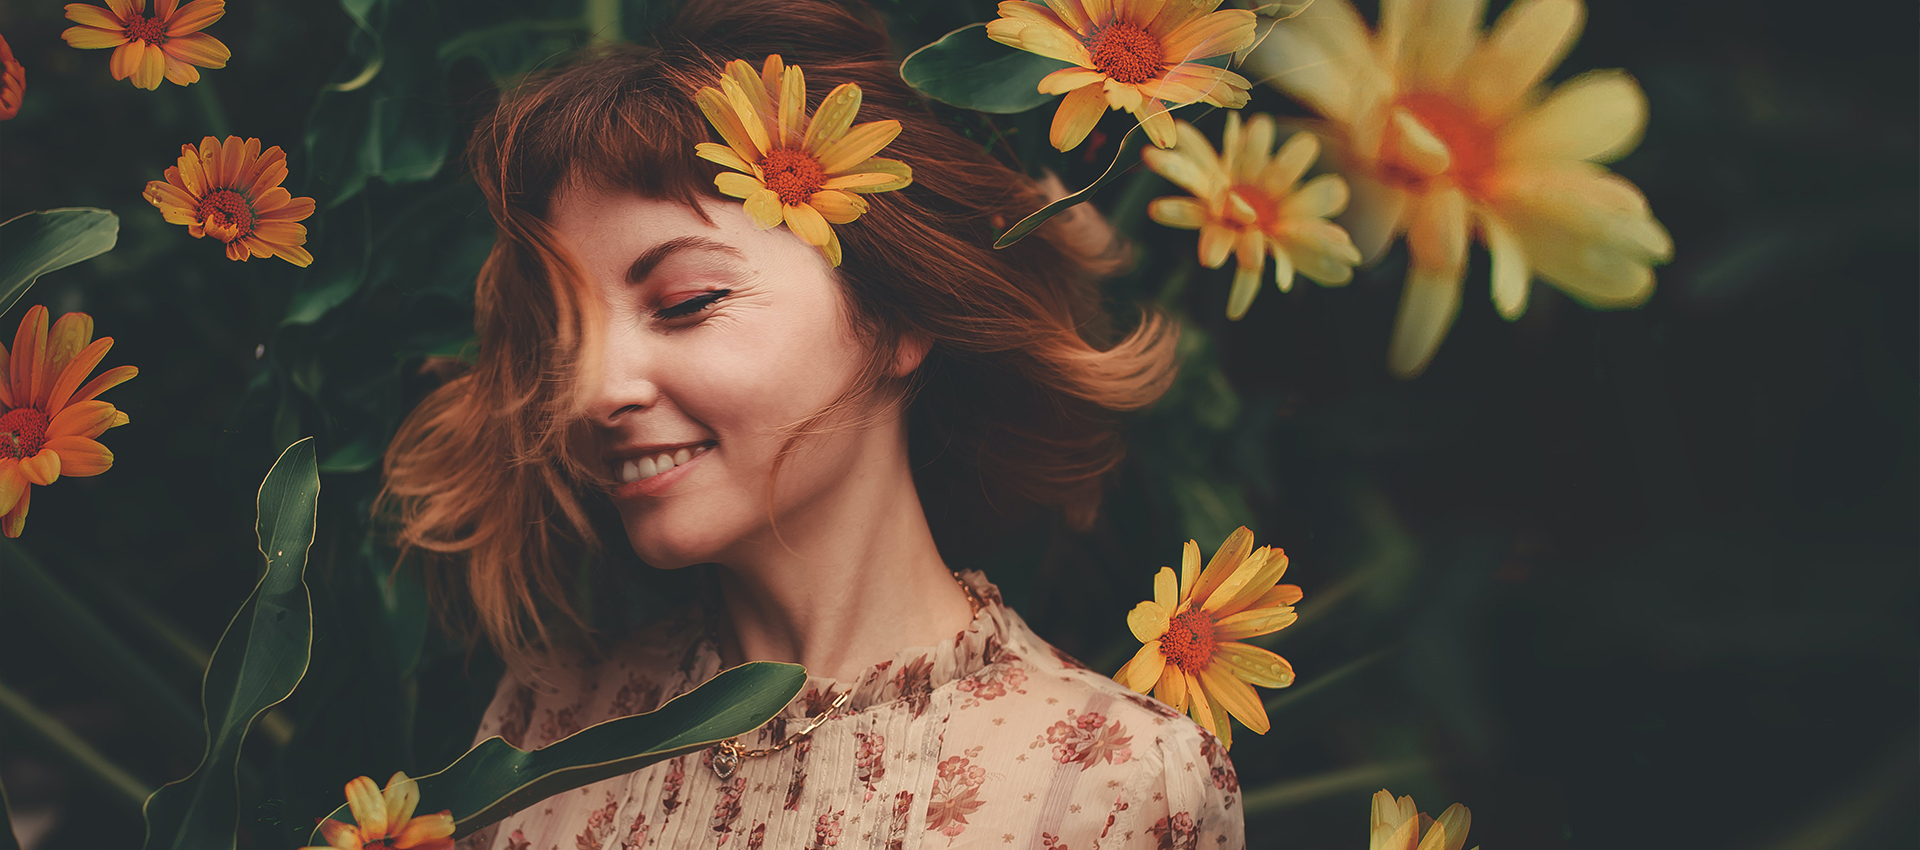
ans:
x=692 y=305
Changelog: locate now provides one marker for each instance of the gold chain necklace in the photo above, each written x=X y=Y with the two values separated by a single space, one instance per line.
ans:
x=728 y=754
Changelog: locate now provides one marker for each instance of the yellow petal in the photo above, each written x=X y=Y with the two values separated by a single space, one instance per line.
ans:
x=859 y=143
x=1526 y=43
x=29 y=354
x=877 y=174
x=1420 y=148
x=71 y=333
x=1250 y=582
x=720 y=113
x=1256 y=143
x=1180 y=212
x=1237 y=697
x=1254 y=622
x=1598 y=116
x=1044 y=39
x=1321 y=250
x=1250 y=249
x=1166 y=589
x=835 y=115
x=1078 y=112
x=1282 y=266
x=1072 y=14
x=1199 y=707
x=1148 y=621
x=1427 y=309
x=195 y=16
x=1172 y=688
x=1158 y=124
x=1295 y=157
x=722 y=154
x=80 y=457
x=1232 y=552
x=91 y=38
x=1510 y=273
x=750 y=118
x=1070 y=79
x=1216 y=242
x=1189 y=568
x=1193 y=168
x=832 y=248
x=1254 y=664
x=75 y=371
x=401 y=796
x=1213 y=34
x=765 y=209
x=12 y=484
x=1143 y=672
x=425 y=828
x=793 y=107
x=736 y=185
x=837 y=207
x=152 y=68
x=368 y=805
x=199 y=49
x=101 y=383
x=1454 y=822
x=94 y=16
x=1322 y=197
x=807 y=223
x=16 y=519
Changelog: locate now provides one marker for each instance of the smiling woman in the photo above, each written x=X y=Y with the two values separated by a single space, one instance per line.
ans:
x=663 y=364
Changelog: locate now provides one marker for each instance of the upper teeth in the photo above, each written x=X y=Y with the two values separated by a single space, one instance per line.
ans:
x=639 y=469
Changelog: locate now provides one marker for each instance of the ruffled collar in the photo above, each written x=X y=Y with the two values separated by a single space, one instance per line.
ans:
x=911 y=675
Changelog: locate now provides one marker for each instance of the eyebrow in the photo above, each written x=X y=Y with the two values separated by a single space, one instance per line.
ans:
x=654 y=256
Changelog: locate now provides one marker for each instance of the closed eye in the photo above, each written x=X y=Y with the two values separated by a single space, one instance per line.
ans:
x=692 y=305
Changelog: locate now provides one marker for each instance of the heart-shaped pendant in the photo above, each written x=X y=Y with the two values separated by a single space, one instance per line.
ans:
x=726 y=760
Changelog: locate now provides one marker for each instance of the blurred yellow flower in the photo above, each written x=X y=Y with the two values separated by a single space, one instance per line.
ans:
x=167 y=43
x=385 y=819
x=51 y=420
x=232 y=192
x=1247 y=205
x=1192 y=658
x=1398 y=826
x=13 y=82
x=1445 y=134
x=808 y=173
x=1137 y=55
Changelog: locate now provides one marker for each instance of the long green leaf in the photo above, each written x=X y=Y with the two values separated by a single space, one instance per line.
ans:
x=496 y=779
x=258 y=662
x=1128 y=144
x=110 y=780
x=32 y=244
x=967 y=69
x=1352 y=780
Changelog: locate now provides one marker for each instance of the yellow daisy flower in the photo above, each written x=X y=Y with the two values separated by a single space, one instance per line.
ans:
x=808 y=173
x=1137 y=55
x=1192 y=658
x=1398 y=826
x=51 y=420
x=1445 y=134
x=385 y=818
x=232 y=192
x=166 y=44
x=1247 y=205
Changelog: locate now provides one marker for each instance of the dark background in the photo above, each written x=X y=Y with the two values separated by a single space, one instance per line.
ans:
x=1639 y=577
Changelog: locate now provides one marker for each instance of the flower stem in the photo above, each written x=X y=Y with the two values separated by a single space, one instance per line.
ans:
x=603 y=21
x=211 y=111
x=71 y=748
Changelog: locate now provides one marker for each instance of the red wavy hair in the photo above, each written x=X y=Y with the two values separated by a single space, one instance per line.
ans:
x=1011 y=409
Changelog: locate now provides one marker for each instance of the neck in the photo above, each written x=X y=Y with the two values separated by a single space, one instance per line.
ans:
x=846 y=584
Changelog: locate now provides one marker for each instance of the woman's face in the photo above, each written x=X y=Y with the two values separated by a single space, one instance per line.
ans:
x=716 y=337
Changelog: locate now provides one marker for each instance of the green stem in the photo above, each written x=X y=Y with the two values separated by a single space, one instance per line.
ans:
x=1292 y=696
x=1283 y=795
x=210 y=109
x=8 y=841
x=603 y=22
x=113 y=665
x=71 y=748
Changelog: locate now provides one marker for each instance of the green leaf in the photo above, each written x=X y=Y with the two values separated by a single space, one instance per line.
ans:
x=496 y=779
x=32 y=244
x=967 y=69
x=1128 y=144
x=258 y=662
x=356 y=456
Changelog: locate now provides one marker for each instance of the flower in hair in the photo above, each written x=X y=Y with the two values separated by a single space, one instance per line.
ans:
x=1137 y=55
x=1245 y=203
x=231 y=191
x=807 y=173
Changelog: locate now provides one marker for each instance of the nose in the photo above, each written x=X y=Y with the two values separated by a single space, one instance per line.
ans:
x=622 y=383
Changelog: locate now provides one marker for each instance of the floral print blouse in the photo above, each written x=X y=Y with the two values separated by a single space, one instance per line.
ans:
x=992 y=739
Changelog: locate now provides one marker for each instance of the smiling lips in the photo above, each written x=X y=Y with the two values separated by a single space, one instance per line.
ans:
x=642 y=468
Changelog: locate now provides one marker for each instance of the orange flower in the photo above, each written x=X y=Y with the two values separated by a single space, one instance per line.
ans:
x=1448 y=135
x=806 y=172
x=233 y=192
x=1397 y=825
x=167 y=43
x=1192 y=657
x=1136 y=55
x=13 y=82
x=385 y=819
x=51 y=420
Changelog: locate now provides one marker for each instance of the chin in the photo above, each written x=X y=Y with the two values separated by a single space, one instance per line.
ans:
x=675 y=542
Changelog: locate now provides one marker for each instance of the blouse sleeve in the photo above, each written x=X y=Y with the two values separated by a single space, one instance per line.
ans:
x=1190 y=800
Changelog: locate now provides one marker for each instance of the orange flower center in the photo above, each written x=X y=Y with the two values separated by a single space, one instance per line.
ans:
x=1188 y=643
x=1128 y=53
x=150 y=30
x=1265 y=212
x=227 y=214
x=1468 y=141
x=23 y=432
x=793 y=175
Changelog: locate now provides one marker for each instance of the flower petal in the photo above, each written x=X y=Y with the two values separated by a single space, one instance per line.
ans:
x=764 y=208
x=369 y=807
x=126 y=58
x=720 y=113
x=1215 y=33
x=1181 y=212
x=1143 y=672
x=16 y=520
x=1172 y=688
x=1322 y=197
x=1526 y=43
x=837 y=207
x=151 y=70
x=807 y=223
x=1283 y=266
x=75 y=371
x=1189 y=568
x=199 y=49
x=1254 y=622
x=1148 y=621
x=831 y=120
x=69 y=335
x=1510 y=273
x=1232 y=553
x=29 y=355
x=12 y=484
x=752 y=119
x=195 y=16
x=91 y=38
x=877 y=174
x=180 y=73
x=94 y=16
x=1045 y=39
x=736 y=185
x=1216 y=242
x=1250 y=249
x=1069 y=79
x=85 y=419
x=1166 y=589
x=1078 y=112
x=1598 y=116
x=423 y=829
x=80 y=457
x=1237 y=697
x=400 y=797
x=858 y=145
x=1254 y=664
x=43 y=468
